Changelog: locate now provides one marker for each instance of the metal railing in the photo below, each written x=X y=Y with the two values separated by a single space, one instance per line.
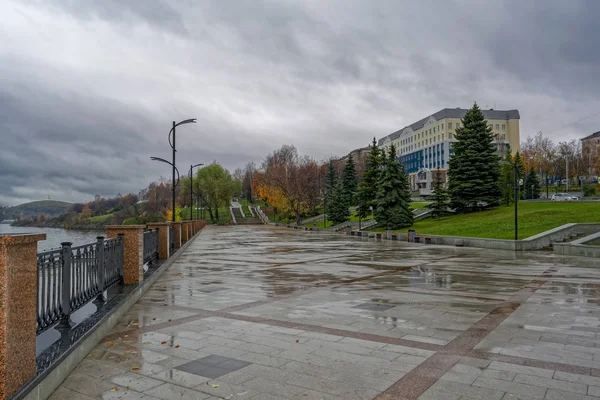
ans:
x=150 y=245
x=171 y=239
x=70 y=277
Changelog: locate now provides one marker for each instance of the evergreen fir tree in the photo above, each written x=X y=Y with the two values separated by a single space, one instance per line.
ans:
x=331 y=181
x=338 y=206
x=507 y=180
x=393 y=195
x=367 y=187
x=520 y=175
x=474 y=169
x=533 y=185
x=439 y=198
x=349 y=179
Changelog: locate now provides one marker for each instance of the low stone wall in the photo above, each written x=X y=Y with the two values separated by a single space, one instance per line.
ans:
x=579 y=248
x=569 y=249
x=536 y=242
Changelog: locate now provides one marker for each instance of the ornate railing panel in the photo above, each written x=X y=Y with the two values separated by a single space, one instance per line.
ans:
x=150 y=245
x=84 y=276
x=171 y=239
x=49 y=279
x=70 y=277
x=113 y=261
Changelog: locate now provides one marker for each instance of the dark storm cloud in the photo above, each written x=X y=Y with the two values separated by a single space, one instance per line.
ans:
x=88 y=88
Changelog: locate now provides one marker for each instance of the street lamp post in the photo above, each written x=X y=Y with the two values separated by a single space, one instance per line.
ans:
x=192 y=190
x=176 y=124
x=174 y=185
x=516 y=182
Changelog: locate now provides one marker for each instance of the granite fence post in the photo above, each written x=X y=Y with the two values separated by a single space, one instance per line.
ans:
x=185 y=231
x=133 y=251
x=18 y=315
x=177 y=233
x=163 y=238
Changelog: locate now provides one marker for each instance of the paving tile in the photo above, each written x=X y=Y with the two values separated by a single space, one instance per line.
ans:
x=584 y=379
x=86 y=385
x=62 y=393
x=374 y=307
x=168 y=391
x=535 y=392
x=558 y=395
x=467 y=390
x=181 y=378
x=135 y=381
x=437 y=395
x=551 y=383
x=520 y=369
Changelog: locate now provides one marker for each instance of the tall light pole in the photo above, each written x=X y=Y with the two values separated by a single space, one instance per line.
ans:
x=516 y=169
x=192 y=188
x=173 y=184
x=176 y=124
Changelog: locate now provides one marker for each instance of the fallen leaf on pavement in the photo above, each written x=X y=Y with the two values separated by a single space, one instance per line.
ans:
x=297 y=341
x=146 y=342
x=114 y=389
x=153 y=319
x=135 y=368
x=176 y=346
x=213 y=385
x=110 y=344
x=163 y=342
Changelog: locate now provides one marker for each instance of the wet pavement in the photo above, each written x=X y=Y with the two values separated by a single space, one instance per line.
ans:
x=271 y=313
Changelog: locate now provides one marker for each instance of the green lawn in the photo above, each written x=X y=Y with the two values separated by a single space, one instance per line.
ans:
x=419 y=204
x=100 y=218
x=224 y=215
x=498 y=223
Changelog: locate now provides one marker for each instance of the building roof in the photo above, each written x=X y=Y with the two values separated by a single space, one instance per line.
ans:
x=455 y=113
x=592 y=136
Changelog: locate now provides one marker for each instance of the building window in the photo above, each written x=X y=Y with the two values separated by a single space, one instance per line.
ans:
x=442 y=126
x=497 y=127
x=503 y=136
x=442 y=136
x=491 y=127
x=449 y=125
x=457 y=125
x=503 y=127
x=450 y=136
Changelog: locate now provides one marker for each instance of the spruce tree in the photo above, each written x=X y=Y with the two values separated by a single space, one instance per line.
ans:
x=330 y=182
x=507 y=179
x=367 y=187
x=533 y=185
x=439 y=198
x=474 y=169
x=338 y=205
x=393 y=195
x=349 y=179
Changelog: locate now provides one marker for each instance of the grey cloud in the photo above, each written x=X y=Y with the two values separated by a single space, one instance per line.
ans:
x=156 y=13
x=326 y=77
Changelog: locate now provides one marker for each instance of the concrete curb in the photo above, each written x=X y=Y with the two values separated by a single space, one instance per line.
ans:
x=49 y=383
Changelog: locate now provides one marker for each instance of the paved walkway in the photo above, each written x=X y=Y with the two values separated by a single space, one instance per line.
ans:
x=266 y=313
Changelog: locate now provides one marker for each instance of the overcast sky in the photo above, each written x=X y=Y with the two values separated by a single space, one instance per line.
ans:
x=89 y=89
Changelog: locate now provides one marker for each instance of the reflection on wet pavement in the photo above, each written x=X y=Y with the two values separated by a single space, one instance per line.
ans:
x=295 y=315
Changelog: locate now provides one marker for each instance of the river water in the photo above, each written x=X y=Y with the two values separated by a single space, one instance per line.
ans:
x=54 y=236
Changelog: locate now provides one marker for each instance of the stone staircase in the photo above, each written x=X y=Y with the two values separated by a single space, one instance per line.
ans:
x=245 y=220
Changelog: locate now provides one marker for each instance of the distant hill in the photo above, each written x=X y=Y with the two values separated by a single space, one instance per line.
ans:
x=48 y=207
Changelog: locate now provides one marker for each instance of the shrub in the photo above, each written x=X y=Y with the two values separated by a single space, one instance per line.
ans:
x=589 y=190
